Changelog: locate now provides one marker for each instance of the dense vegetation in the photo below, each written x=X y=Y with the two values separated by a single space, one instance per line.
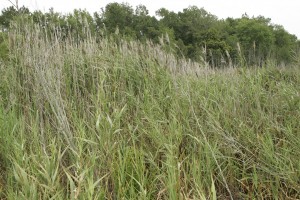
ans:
x=89 y=115
x=193 y=33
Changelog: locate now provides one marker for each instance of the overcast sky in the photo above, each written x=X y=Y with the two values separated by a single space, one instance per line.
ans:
x=286 y=13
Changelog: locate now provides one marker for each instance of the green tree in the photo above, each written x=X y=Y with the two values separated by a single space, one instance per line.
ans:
x=195 y=30
x=145 y=26
x=80 y=23
x=9 y=14
x=256 y=38
x=118 y=17
x=285 y=45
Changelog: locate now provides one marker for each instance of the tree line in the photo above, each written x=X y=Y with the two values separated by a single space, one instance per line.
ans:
x=193 y=33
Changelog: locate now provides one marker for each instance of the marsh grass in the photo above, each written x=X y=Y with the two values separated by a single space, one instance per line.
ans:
x=114 y=119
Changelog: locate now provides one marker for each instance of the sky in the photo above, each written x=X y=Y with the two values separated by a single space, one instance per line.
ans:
x=281 y=12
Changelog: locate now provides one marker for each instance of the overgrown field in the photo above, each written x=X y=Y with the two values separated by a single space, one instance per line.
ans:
x=107 y=119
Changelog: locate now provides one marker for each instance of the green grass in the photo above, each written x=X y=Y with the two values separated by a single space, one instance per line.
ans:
x=105 y=121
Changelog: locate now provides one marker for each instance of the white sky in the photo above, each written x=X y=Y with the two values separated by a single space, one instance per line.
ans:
x=286 y=13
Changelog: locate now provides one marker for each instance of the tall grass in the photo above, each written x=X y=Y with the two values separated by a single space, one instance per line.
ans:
x=107 y=119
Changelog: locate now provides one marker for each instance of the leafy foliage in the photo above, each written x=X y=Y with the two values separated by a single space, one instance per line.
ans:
x=192 y=33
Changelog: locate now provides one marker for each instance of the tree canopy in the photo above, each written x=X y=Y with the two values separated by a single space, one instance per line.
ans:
x=193 y=33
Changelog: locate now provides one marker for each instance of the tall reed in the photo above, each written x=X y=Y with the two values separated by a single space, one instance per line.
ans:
x=105 y=118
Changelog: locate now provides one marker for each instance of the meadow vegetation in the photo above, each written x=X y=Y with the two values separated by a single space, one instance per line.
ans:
x=116 y=119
